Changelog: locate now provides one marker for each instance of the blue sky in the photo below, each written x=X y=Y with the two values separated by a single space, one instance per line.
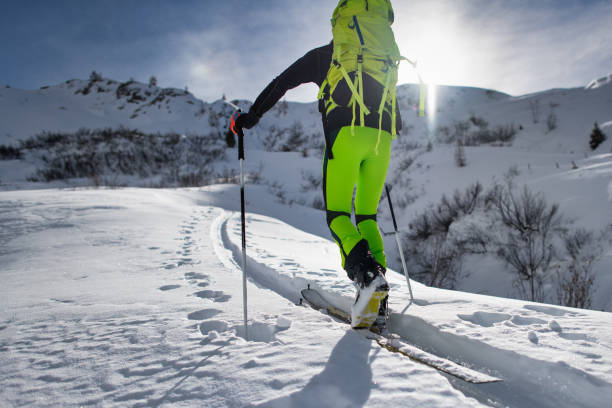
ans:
x=235 y=47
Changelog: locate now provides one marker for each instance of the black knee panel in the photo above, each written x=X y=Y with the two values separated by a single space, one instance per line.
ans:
x=332 y=215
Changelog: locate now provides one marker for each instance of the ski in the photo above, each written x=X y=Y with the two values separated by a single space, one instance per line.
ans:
x=394 y=344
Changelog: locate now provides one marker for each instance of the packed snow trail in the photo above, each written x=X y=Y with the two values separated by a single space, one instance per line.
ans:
x=117 y=298
x=528 y=345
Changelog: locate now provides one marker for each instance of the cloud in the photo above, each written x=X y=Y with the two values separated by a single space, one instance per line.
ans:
x=241 y=56
x=238 y=47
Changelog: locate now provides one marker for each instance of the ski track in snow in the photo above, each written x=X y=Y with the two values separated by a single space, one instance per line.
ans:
x=133 y=298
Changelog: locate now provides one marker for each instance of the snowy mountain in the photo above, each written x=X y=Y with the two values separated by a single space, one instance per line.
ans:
x=103 y=132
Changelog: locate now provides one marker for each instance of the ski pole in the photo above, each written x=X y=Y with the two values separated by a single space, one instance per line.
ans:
x=240 y=135
x=399 y=243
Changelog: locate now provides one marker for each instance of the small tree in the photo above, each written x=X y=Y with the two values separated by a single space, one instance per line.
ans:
x=551 y=121
x=597 y=137
x=460 y=159
x=534 y=107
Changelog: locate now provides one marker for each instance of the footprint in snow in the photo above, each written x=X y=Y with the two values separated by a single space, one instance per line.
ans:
x=198 y=278
x=169 y=287
x=485 y=319
x=203 y=314
x=526 y=321
x=208 y=326
x=214 y=295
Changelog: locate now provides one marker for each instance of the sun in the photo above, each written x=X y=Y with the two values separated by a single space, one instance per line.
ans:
x=440 y=56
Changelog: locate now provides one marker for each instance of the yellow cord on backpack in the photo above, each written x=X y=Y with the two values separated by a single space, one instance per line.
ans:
x=360 y=76
x=381 y=110
x=357 y=95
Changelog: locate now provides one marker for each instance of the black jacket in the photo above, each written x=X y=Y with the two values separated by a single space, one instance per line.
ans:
x=313 y=67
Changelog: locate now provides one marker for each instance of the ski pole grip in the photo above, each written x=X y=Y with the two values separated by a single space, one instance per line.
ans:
x=391 y=207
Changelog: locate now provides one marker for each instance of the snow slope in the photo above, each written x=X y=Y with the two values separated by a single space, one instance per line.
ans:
x=132 y=297
x=540 y=158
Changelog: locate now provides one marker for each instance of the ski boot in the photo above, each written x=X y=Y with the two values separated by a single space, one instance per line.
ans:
x=380 y=324
x=372 y=287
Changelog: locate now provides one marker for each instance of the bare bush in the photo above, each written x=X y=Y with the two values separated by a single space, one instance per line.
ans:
x=296 y=139
x=551 y=121
x=459 y=154
x=479 y=122
x=504 y=133
x=469 y=200
x=534 y=107
x=312 y=181
x=576 y=284
x=10 y=153
x=104 y=153
x=436 y=262
x=436 y=257
x=528 y=246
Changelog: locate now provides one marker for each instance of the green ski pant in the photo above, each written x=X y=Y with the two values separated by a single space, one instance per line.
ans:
x=356 y=161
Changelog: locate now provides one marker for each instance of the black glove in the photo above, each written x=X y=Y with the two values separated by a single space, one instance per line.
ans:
x=246 y=120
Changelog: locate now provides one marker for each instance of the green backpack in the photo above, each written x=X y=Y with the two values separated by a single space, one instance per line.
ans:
x=365 y=52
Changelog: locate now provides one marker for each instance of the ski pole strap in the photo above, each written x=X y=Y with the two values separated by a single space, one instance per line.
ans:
x=391 y=207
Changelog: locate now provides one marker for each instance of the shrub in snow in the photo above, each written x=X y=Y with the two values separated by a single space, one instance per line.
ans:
x=95 y=76
x=479 y=122
x=174 y=159
x=9 y=153
x=475 y=131
x=434 y=252
x=282 y=108
x=527 y=246
x=296 y=138
x=551 y=121
x=575 y=278
x=517 y=226
x=534 y=107
x=437 y=262
x=597 y=137
x=459 y=154
x=312 y=181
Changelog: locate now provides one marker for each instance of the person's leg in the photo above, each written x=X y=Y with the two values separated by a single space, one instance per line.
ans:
x=339 y=178
x=370 y=185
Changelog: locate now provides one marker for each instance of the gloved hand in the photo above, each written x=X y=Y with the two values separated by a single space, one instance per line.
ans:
x=243 y=120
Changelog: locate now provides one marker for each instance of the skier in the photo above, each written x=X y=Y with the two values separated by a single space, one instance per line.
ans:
x=355 y=154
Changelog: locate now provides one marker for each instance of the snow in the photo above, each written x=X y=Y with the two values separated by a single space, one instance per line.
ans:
x=597 y=83
x=133 y=297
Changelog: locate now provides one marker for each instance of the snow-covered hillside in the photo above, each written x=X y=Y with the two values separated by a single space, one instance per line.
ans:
x=132 y=297
x=539 y=140
x=101 y=103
